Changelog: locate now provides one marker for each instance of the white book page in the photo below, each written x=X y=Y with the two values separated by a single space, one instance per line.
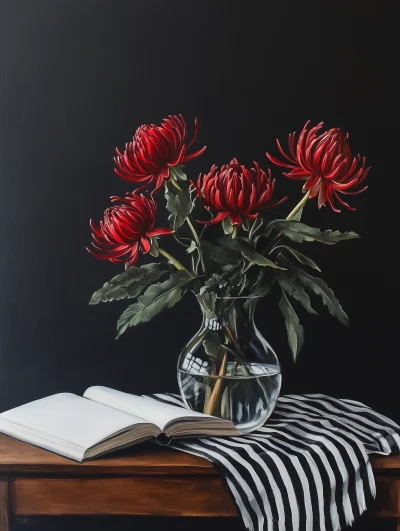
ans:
x=59 y=446
x=147 y=408
x=71 y=418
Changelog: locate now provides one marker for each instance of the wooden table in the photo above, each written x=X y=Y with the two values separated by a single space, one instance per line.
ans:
x=141 y=481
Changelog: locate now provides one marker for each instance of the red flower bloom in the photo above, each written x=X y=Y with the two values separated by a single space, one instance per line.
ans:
x=325 y=162
x=126 y=229
x=154 y=150
x=236 y=191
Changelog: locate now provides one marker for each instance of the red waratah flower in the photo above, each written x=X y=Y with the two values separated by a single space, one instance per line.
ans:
x=126 y=229
x=236 y=191
x=154 y=150
x=325 y=162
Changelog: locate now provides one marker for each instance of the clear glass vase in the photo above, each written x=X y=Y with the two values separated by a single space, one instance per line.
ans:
x=228 y=369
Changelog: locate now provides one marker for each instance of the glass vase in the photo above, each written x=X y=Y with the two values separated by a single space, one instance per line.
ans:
x=228 y=369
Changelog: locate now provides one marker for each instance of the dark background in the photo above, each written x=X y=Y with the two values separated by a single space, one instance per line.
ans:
x=78 y=77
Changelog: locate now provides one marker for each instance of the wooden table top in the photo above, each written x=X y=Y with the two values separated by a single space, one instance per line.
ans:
x=144 y=459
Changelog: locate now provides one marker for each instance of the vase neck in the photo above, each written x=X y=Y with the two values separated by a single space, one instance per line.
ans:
x=234 y=313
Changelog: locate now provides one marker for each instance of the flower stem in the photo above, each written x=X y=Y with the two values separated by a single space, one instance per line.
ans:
x=209 y=410
x=298 y=206
x=176 y=262
x=197 y=240
x=194 y=232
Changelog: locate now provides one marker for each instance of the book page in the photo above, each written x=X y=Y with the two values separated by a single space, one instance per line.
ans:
x=147 y=408
x=70 y=418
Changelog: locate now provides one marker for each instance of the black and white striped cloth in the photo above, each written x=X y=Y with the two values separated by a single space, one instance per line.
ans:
x=307 y=468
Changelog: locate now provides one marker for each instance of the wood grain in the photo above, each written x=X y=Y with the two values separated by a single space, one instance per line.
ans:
x=387 y=503
x=19 y=457
x=385 y=463
x=143 y=480
x=157 y=496
x=4 y=505
x=16 y=456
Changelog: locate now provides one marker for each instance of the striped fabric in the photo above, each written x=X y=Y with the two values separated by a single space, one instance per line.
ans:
x=307 y=468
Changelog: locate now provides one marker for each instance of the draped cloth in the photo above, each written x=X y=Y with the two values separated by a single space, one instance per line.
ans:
x=307 y=468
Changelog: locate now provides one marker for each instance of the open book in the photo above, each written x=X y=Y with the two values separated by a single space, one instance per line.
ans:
x=104 y=420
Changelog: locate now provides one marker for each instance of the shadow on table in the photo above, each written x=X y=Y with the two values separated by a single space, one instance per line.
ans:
x=150 y=523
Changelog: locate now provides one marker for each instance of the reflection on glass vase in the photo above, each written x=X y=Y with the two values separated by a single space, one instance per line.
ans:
x=228 y=369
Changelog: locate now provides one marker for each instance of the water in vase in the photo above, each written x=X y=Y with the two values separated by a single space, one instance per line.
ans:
x=247 y=397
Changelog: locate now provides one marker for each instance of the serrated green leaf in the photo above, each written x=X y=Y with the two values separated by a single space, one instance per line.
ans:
x=260 y=290
x=318 y=286
x=130 y=283
x=179 y=203
x=294 y=329
x=302 y=258
x=291 y=285
x=207 y=302
x=238 y=244
x=155 y=299
x=256 y=258
x=300 y=232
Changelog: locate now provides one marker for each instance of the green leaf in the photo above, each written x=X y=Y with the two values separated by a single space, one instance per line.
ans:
x=177 y=173
x=232 y=316
x=227 y=225
x=300 y=232
x=207 y=302
x=294 y=329
x=223 y=255
x=154 y=249
x=215 y=280
x=297 y=216
x=179 y=203
x=291 y=285
x=256 y=258
x=212 y=345
x=130 y=283
x=155 y=299
x=318 y=286
x=260 y=290
x=302 y=258
x=192 y=247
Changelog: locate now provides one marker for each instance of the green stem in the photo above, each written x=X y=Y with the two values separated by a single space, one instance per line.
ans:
x=194 y=232
x=298 y=206
x=197 y=240
x=176 y=262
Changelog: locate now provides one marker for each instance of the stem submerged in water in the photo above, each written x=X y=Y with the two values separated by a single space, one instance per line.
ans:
x=210 y=408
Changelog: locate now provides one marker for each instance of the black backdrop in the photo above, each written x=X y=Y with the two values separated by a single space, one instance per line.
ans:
x=78 y=77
